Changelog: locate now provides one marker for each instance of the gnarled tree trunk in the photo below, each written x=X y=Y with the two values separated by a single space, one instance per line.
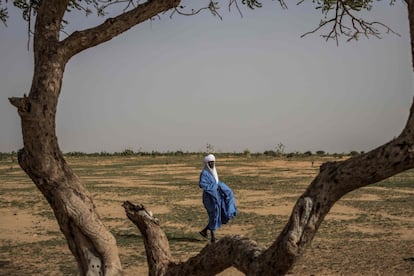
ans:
x=92 y=244
x=334 y=180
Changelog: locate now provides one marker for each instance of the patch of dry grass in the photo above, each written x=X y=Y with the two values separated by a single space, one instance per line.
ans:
x=368 y=232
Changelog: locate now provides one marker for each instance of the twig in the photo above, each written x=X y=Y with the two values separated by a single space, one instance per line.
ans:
x=353 y=29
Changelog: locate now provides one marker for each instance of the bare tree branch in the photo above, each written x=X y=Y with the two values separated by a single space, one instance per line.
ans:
x=344 y=22
x=212 y=7
x=81 y=40
x=229 y=251
x=334 y=180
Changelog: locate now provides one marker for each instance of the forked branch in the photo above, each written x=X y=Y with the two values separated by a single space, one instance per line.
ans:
x=234 y=251
x=344 y=22
x=334 y=180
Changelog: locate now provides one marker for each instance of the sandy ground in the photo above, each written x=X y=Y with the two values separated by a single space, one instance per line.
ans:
x=386 y=249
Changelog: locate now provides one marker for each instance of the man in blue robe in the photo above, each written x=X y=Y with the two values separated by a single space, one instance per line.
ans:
x=218 y=198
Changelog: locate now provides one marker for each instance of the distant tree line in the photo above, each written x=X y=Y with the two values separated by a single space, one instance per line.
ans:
x=246 y=152
x=12 y=155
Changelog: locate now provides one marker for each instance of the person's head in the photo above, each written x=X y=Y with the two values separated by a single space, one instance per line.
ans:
x=210 y=161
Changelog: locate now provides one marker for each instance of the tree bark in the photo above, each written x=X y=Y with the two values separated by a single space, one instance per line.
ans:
x=334 y=180
x=410 y=7
x=93 y=246
x=229 y=251
x=79 y=41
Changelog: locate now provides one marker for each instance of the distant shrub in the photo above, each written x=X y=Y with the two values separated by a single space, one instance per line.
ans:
x=127 y=152
x=269 y=153
x=291 y=155
x=75 y=153
x=155 y=153
x=307 y=153
x=178 y=153
x=3 y=155
x=12 y=155
x=280 y=149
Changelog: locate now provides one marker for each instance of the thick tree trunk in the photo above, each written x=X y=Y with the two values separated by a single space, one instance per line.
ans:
x=93 y=246
x=90 y=242
x=334 y=181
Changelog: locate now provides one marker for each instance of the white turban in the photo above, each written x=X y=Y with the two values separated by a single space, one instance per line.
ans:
x=209 y=158
x=213 y=171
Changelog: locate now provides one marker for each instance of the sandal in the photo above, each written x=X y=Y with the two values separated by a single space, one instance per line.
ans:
x=204 y=234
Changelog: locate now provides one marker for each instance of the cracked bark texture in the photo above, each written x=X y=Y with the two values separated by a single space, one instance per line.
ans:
x=93 y=246
x=334 y=180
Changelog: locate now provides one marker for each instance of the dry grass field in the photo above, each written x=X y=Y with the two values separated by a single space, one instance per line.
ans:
x=368 y=232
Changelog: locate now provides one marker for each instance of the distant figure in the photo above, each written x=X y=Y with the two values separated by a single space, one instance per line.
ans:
x=218 y=198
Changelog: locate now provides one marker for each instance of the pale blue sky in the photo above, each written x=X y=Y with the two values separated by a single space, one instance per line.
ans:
x=241 y=83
